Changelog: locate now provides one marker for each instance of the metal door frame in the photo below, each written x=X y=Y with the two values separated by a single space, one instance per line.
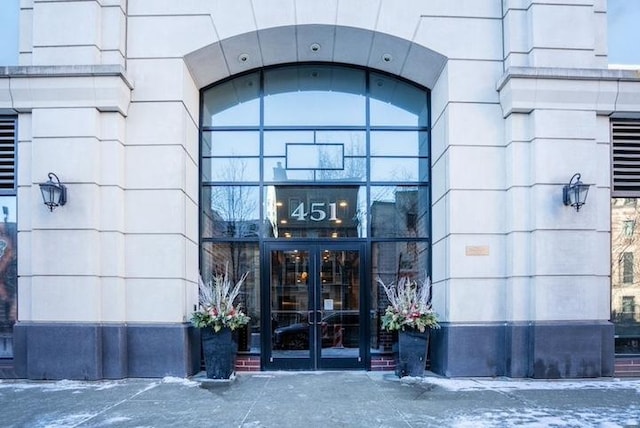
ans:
x=315 y=361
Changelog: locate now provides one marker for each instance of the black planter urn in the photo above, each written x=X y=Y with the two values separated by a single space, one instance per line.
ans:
x=219 y=349
x=412 y=352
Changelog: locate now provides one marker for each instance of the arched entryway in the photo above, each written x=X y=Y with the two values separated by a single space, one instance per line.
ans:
x=315 y=178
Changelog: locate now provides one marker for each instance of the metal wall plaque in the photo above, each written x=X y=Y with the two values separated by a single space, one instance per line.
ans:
x=476 y=250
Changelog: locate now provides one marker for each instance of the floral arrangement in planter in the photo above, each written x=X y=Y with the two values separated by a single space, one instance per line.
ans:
x=410 y=306
x=217 y=304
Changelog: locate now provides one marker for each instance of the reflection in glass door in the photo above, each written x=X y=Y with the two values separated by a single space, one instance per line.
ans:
x=314 y=307
x=290 y=314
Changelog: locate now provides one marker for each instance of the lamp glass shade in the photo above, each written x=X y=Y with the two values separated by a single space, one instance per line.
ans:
x=576 y=194
x=53 y=194
x=581 y=191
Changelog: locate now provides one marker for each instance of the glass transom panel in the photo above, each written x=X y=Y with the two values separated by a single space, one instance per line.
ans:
x=315 y=151
x=314 y=95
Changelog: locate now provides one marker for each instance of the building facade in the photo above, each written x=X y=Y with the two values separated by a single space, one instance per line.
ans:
x=317 y=146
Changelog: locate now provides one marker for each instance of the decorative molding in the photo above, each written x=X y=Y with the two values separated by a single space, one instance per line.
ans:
x=104 y=87
x=525 y=89
x=568 y=74
x=290 y=43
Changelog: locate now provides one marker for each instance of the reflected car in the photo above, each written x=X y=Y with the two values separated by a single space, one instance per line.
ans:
x=338 y=330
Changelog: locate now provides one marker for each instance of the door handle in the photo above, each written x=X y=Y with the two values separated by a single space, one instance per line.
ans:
x=314 y=319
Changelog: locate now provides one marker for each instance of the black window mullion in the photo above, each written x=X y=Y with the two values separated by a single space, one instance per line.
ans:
x=261 y=222
x=367 y=128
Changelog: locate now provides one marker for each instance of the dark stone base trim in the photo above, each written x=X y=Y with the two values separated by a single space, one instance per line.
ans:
x=105 y=351
x=545 y=350
x=6 y=370
x=115 y=351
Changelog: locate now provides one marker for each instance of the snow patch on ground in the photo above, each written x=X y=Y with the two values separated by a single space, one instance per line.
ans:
x=62 y=421
x=179 y=381
x=540 y=417
x=114 y=421
x=256 y=424
x=61 y=385
x=505 y=385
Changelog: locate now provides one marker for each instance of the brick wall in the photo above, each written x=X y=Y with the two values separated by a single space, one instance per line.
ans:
x=247 y=363
x=383 y=363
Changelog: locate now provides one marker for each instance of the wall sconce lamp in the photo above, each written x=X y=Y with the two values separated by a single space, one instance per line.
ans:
x=575 y=193
x=54 y=194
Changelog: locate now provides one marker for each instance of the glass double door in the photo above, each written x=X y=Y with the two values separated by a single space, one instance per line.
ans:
x=315 y=306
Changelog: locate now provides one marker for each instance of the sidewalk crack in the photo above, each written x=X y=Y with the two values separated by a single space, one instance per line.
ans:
x=106 y=409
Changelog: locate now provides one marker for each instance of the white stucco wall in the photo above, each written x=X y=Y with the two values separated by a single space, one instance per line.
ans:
x=126 y=142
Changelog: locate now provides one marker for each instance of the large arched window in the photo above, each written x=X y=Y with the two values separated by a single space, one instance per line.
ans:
x=313 y=152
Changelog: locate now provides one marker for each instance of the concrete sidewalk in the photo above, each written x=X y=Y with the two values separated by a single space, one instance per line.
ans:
x=321 y=399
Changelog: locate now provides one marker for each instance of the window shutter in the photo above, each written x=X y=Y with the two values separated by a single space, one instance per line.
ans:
x=7 y=154
x=625 y=135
